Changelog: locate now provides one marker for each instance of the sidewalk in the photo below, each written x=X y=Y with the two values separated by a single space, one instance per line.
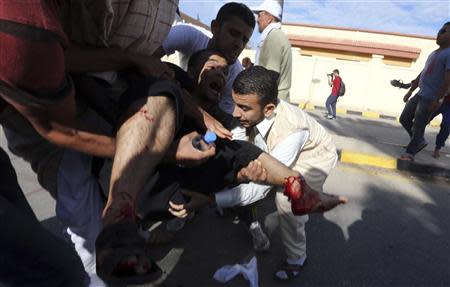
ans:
x=379 y=142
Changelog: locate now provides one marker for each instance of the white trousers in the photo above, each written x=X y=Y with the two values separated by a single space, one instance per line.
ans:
x=79 y=207
x=292 y=227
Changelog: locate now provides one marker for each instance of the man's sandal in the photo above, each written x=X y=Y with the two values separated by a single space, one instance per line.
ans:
x=122 y=256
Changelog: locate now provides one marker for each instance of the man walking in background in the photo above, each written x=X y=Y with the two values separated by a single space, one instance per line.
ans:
x=274 y=50
x=433 y=83
x=335 y=83
x=444 y=131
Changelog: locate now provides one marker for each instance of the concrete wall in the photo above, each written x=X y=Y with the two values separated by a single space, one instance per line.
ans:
x=366 y=77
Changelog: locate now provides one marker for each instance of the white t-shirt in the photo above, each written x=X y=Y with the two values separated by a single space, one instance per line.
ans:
x=188 y=39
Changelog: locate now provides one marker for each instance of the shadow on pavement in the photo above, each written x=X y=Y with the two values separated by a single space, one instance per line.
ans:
x=379 y=137
x=395 y=238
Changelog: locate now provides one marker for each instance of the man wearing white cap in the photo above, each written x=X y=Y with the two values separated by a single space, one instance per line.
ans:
x=274 y=50
x=274 y=53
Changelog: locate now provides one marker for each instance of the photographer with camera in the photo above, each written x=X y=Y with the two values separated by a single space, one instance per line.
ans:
x=335 y=83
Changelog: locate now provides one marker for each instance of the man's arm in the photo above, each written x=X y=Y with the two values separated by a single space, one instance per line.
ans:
x=91 y=59
x=330 y=77
x=202 y=118
x=286 y=152
x=414 y=85
x=182 y=38
x=57 y=125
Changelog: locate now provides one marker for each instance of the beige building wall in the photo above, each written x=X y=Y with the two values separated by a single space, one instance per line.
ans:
x=366 y=76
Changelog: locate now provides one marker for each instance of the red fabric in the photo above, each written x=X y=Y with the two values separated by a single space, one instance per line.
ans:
x=336 y=86
x=42 y=14
x=32 y=66
x=36 y=67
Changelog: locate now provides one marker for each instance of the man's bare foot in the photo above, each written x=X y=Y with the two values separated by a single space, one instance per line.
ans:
x=436 y=153
x=305 y=200
x=123 y=257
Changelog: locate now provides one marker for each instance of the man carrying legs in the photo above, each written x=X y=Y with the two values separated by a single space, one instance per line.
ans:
x=39 y=89
x=295 y=139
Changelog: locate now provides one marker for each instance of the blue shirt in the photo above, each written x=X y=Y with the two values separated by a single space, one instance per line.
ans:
x=433 y=74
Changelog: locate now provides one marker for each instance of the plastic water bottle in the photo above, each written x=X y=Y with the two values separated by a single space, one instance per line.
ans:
x=209 y=138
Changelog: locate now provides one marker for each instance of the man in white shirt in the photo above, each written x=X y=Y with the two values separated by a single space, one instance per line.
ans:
x=274 y=50
x=295 y=139
x=231 y=31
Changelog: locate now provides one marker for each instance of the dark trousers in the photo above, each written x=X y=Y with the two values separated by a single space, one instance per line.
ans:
x=414 y=119
x=29 y=254
x=331 y=105
x=445 y=124
x=217 y=173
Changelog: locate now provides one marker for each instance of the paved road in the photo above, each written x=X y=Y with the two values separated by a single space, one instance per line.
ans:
x=394 y=231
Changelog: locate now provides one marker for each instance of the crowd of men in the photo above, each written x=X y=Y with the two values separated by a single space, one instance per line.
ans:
x=109 y=128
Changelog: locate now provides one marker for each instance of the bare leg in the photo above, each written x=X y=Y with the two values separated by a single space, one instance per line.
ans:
x=304 y=199
x=276 y=171
x=142 y=141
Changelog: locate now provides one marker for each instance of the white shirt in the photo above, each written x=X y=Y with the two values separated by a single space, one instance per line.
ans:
x=286 y=152
x=188 y=39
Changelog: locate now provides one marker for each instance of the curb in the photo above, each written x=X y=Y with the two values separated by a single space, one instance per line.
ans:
x=366 y=114
x=391 y=163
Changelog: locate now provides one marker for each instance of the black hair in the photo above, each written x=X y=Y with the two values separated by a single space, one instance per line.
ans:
x=260 y=81
x=201 y=56
x=448 y=23
x=239 y=10
x=336 y=71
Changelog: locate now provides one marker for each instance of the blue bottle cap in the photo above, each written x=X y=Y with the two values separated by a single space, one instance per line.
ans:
x=210 y=137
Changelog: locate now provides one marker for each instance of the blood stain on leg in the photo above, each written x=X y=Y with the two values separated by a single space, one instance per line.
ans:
x=147 y=116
